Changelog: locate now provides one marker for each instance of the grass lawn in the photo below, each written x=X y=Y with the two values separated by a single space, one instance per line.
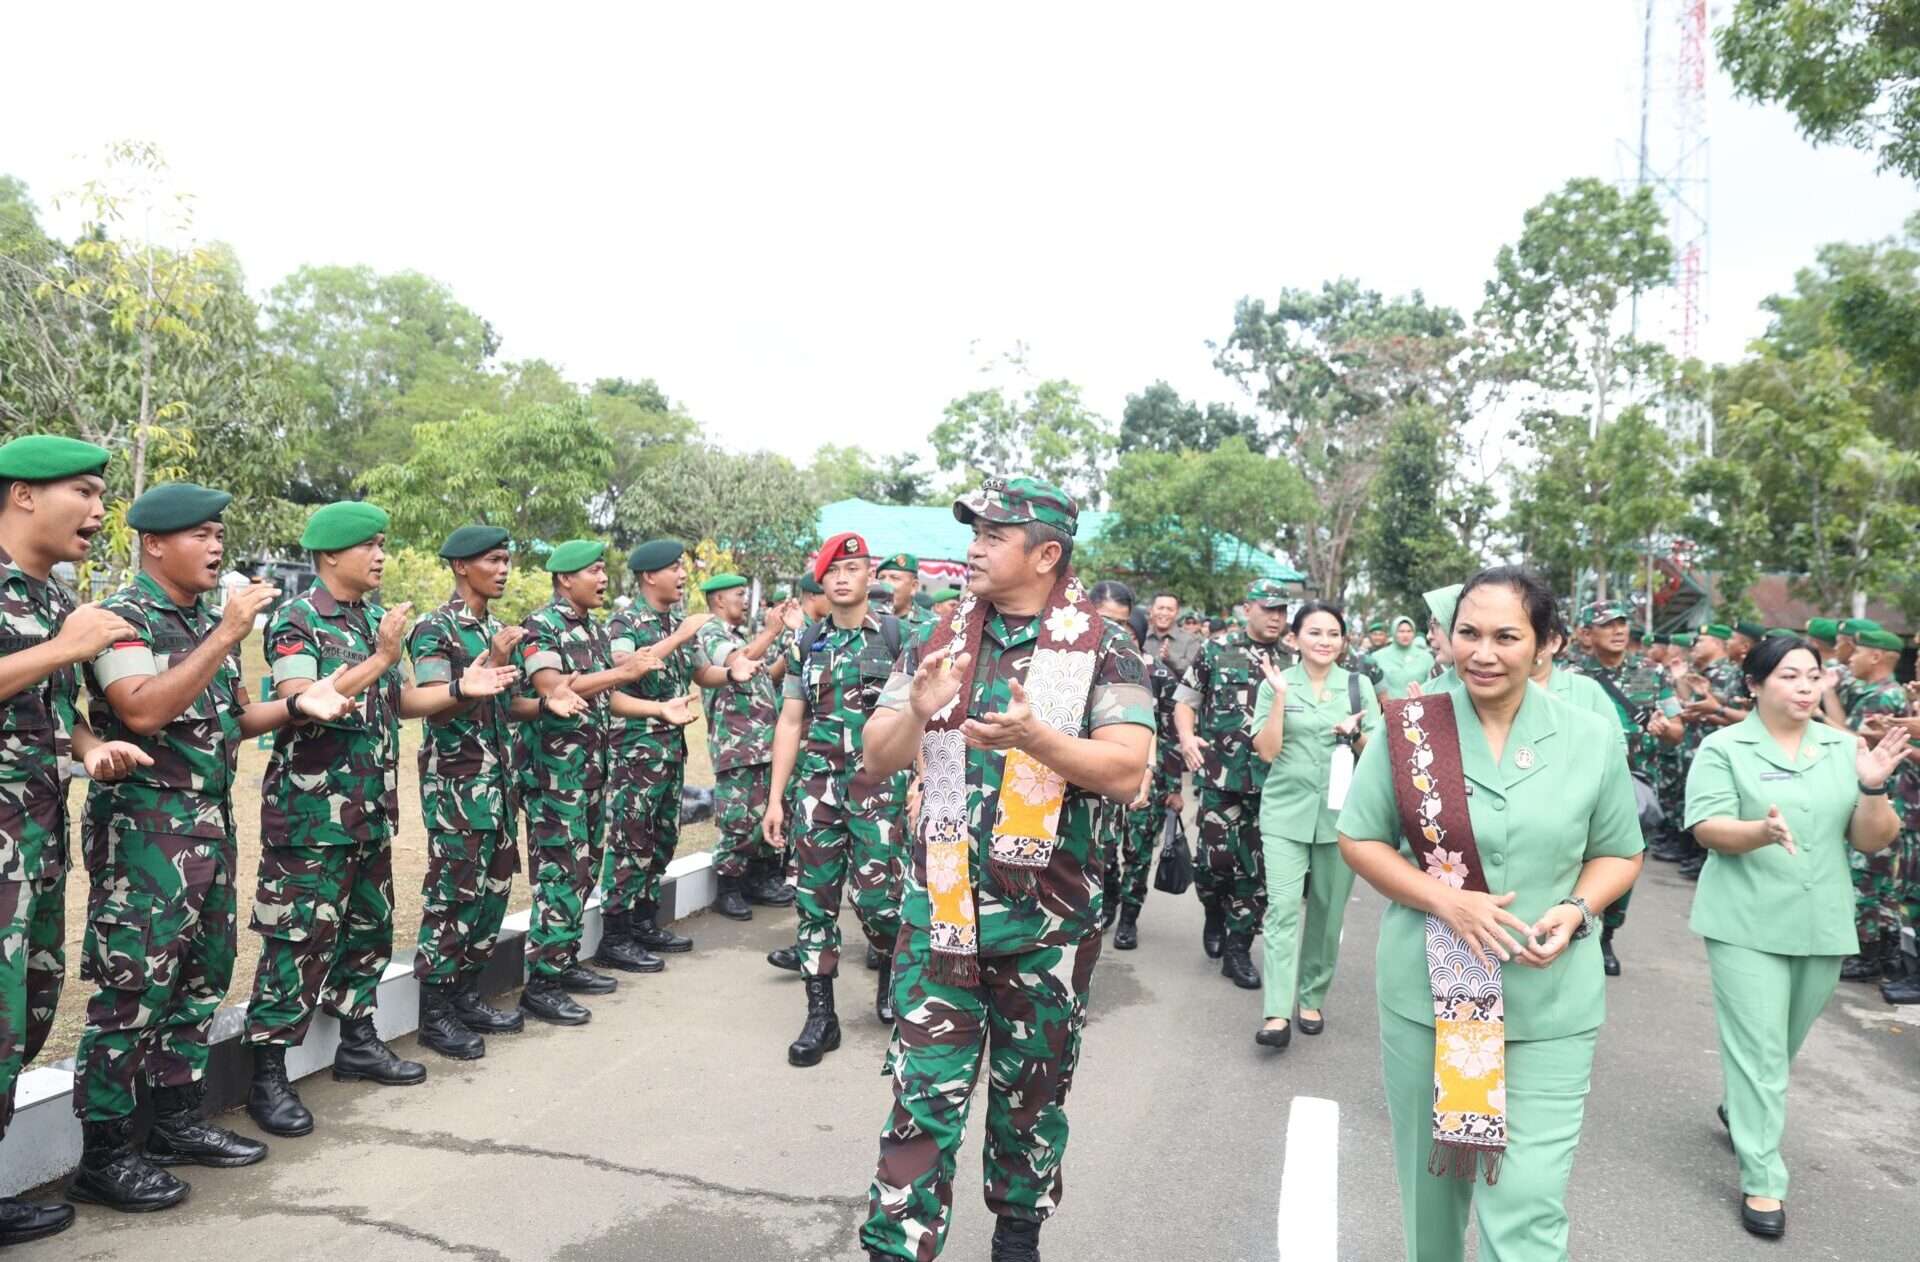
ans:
x=409 y=863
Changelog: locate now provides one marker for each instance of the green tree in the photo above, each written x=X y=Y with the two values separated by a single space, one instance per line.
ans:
x=841 y=472
x=1029 y=428
x=644 y=428
x=1413 y=545
x=1158 y=419
x=1848 y=71
x=755 y=505
x=532 y=471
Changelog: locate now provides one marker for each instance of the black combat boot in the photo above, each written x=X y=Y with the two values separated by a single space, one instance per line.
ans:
x=1016 y=1240
x=764 y=886
x=111 y=1173
x=732 y=903
x=1109 y=899
x=619 y=949
x=180 y=1136
x=578 y=979
x=272 y=1102
x=442 y=1030
x=1213 y=935
x=543 y=1000
x=482 y=1017
x=361 y=1056
x=1868 y=966
x=652 y=936
x=883 y=991
x=821 y=1033
x=1127 y=936
x=787 y=957
x=21 y=1221
x=1608 y=960
x=1906 y=987
x=1236 y=961
x=1691 y=868
x=873 y=957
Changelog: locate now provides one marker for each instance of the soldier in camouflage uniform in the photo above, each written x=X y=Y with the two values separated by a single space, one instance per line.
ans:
x=1127 y=829
x=1212 y=710
x=1144 y=825
x=814 y=607
x=844 y=821
x=1876 y=698
x=1643 y=695
x=742 y=704
x=566 y=658
x=329 y=806
x=50 y=509
x=462 y=661
x=1018 y=998
x=1716 y=696
x=649 y=753
x=901 y=571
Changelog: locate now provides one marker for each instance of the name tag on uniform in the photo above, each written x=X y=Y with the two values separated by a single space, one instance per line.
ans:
x=1296 y=709
x=1776 y=775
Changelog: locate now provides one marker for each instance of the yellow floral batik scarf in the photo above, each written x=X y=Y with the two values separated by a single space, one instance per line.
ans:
x=1469 y=1013
x=1027 y=821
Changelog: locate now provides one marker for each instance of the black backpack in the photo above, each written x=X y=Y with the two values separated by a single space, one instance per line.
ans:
x=890 y=635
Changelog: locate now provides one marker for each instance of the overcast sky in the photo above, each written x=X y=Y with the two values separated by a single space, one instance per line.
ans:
x=813 y=223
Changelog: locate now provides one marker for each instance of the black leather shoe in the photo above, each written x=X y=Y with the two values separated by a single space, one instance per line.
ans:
x=821 y=1033
x=653 y=937
x=785 y=957
x=442 y=1030
x=1127 y=936
x=1016 y=1240
x=21 y=1221
x=1276 y=1039
x=1771 y=1223
x=1864 y=967
x=1312 y=1025
x=732 y=900
x=1609 y=962
x=873 y=957
x=1906 y=990
x=883 y=992
x=272 y=1102
x=1236 y=961
x=362 y=1057
x=482 y=1017
x=764 y=886
x=578 y=979
x=1720 y=1111
x=620 y=949
x=1691 y=869
x=180 y=1136
x=1213 y=935
x=112 y=1174
x=543 y=1000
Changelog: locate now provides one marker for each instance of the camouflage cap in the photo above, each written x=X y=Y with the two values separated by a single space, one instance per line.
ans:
x=1014 y=501
x=1601 y=612
x=1267 y=593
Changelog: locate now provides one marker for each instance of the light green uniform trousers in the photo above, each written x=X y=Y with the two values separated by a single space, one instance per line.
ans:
x=1523 y=1216
x=1316 y=945
x=1764 y=1004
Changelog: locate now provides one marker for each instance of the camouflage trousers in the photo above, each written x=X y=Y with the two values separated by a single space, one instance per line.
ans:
x=325 y=917
x=1137 y=851
x=836 y=831
x=33 y=963
x=1230 y=843
x=564 y=830
x=644 y=830
x=739 y=804
x=1876 y=893
x=1024 y=1017
x=159 y=946
x=463 y=900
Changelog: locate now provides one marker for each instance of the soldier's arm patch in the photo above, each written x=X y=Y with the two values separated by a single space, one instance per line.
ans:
x=432 y=670
x=623 y=644
x=295 y=664
x=544 y=659
x=128 y=659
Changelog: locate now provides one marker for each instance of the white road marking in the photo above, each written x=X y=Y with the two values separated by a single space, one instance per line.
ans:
x=1309 y=1221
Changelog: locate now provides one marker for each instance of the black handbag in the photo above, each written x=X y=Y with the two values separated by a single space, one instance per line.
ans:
x=1173 y=873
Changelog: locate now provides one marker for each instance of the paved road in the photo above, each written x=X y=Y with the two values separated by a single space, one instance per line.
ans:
x=672 y=1128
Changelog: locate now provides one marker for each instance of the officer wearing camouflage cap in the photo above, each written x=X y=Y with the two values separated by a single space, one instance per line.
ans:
x=1213 y=711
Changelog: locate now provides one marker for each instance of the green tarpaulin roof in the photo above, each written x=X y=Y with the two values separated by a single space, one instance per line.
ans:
x=933 y=534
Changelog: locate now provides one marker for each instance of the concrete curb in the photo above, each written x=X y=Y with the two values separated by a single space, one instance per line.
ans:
x=43 y=1142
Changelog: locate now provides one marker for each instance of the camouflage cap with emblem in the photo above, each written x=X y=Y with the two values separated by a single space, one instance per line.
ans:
x=1602 y=612
x=1267 y=593
x=1016 y=501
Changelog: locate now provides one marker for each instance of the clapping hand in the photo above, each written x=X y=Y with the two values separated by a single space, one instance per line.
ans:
x=1012 y=728
x=679 y=711
x=505 y=642
x=114 y=760
x=1876 y=762
x=322 y=700
x=936 y=682
x=482 y=680
x=563 y=702
x=243 y=606
x=741 y=668
x=393 y=630
x=639 y=664
x=1192 y=749
x=1778 y=834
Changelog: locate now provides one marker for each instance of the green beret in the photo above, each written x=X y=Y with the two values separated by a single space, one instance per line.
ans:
x=1376 y=625
x=722 y=582
x=574 y=555
x=1657 y=638
x=1752 y=630
x=471 y=541
x=1878 y=639
x=44 y=457
x=810 y=586
x=1718 y=630
x=656 y=554
x=1681 y=640
x=944 y=594
x=1782 y=633
x=1825 y=630
x=903 y=561
x=342 y=524
x=176 y=506
x=1854 y=626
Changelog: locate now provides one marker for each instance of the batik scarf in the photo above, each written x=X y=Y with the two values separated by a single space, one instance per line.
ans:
x=1469 y=1015
x=1027 y=821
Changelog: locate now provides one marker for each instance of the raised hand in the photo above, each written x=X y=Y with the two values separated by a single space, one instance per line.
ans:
x=640 y=663
x=1875 y=762
x=936 y=682
x=90 y=630
x=504 y=642
x=791 y=616
x=680 y=711
x=1778 y=834
x=482 y=680
x=1012 y=728
x=114 y=760
x=1276 y=679
x=243 y=606
x=322 y=701
x=741 y=668
x=563 y=702
x=393 y=630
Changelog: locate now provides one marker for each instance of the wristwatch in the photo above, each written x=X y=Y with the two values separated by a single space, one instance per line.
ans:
x=1587 y=919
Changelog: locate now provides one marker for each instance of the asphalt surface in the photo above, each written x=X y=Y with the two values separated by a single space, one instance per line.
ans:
x=672 y=1128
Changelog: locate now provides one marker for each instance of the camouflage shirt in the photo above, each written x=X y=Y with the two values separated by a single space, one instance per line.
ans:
x=466 y=757
x=1220 y=685
x=739 y=716
x=1065 y=906
x=331 y=784
x=839 y=676
x=1644 y=685
x=1884 y=696
x=566 y=753
x=38 y=723
x=636 y=627
x=189 y=789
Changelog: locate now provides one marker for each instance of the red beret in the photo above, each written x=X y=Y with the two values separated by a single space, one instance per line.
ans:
x=842 y=546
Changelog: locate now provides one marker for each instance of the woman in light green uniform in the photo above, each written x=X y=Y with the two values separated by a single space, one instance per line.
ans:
x=1557 y=840
x=1777 y=800
x=1304 y=718
x=1403 y=661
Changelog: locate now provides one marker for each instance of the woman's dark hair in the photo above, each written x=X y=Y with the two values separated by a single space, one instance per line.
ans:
x=1765 y=657
x=1111 y=590
x=1535 y=596
x=1317 y=606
